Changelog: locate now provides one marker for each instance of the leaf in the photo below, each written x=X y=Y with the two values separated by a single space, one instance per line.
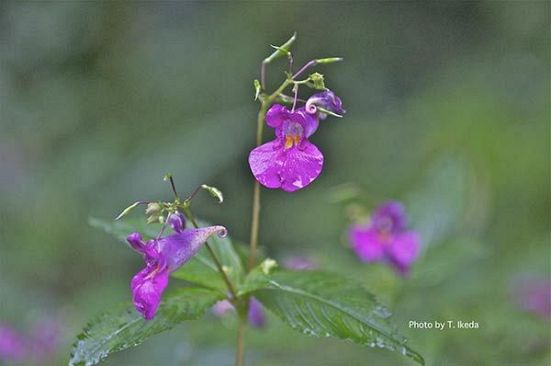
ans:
x=325 y=304
x=225 y=252
x=124 y=328
x=121 y=229
x=439 y=205
x=201 y=269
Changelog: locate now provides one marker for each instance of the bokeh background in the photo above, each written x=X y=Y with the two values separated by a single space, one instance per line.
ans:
x=448 y=110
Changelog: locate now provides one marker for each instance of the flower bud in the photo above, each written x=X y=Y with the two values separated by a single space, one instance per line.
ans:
x=153 y=208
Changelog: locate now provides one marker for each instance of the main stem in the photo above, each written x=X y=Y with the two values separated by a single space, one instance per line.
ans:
x=240 y=347
x=255 y=220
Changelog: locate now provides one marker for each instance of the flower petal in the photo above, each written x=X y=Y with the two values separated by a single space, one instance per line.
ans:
x=390 y=216
x=256 y=315
x=290 y=170
x=222 y=307
x=327 y=100
x=177 y=221
x=266 y=164
x=13 y=345
x=403 y=250
x=147 y=249
x=136 y=242
x=177 y=249
x=308 y=121
x=276 y=115
x=147 y=288
x=366 y=243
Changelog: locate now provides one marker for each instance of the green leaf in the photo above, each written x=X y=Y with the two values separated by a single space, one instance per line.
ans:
x=121 y=229
x=201 y=269
x=325 y=304
x=441 y=203
x=204 y=266
x=124 y=327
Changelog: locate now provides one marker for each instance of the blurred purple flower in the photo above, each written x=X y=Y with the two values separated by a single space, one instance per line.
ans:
x=299 y=263
x=386 y=239
x=255 y=315
x=13 y=345
x=45 y=338
x=163 y=256
x=222 y=308
x=34 y=348
x=326 y=100
x=289 y=162
x=534 y=296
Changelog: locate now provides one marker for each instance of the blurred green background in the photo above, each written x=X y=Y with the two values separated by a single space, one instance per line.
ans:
x=448 y=110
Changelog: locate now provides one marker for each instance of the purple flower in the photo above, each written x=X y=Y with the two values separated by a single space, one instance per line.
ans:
x=255 y=315
x=299 y=263
x=534 y=296
x=326 y=100
x=32 y=347
x=13 y=345
x=222 y=308
x=163 y=256
x=46 y=337
x=289 y=162
x=385 y=238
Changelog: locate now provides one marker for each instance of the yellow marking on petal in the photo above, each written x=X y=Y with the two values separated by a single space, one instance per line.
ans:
x=292 y=140
x=288 y=142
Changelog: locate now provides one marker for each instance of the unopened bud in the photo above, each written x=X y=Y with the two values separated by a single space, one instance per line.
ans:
x=153 y=208
x=267 y=265
x=318 y=81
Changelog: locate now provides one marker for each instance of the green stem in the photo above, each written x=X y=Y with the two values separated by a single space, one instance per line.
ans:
x=229 y=285
x=240 y=347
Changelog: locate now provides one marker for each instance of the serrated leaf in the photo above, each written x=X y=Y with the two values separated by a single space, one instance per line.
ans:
x=201 y=268
x=124 y=328
x=325 y=304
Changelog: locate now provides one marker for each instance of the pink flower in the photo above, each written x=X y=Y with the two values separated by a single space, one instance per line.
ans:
x=163 y=256
x=385 y=238
x=289 y=162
